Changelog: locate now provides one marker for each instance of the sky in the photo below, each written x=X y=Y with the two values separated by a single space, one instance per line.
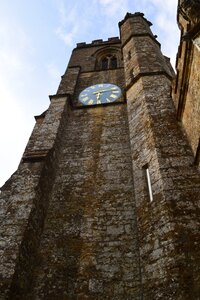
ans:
x=37 y=38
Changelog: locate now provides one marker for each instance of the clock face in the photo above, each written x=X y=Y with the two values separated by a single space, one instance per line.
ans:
x=100 y=93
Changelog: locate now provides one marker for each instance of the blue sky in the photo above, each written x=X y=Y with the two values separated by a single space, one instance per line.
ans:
x=37 y=38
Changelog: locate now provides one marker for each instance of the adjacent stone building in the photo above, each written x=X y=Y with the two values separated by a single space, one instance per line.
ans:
x=105 y=203
x=187 y=85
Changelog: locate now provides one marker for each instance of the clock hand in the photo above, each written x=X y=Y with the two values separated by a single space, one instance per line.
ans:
x=98 y=97
x=102 y=91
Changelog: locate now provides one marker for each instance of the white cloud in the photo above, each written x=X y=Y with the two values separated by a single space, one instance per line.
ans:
x=53 y=71
x=168 y=32
x=14 y=124
x=68 y=27
x=167 y=7
x=67 y=36
x=15 y=127
x=111 y=7
x=163 y=16
x=154 y=6
x=15 y=47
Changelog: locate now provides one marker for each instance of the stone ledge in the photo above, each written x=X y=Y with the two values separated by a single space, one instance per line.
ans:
x=35 y=156
x=153 y=37
x=142 y=74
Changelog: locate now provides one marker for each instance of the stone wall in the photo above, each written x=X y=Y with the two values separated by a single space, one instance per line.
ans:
x=186 y=92
x=168 y=225
x=24 y=202
x=191 y=115
x=17 y=200
x=89 y=244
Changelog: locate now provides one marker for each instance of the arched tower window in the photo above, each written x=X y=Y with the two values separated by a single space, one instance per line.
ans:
x=108 y=58
x=104 y=63
x=113 y=62
x=109 y=62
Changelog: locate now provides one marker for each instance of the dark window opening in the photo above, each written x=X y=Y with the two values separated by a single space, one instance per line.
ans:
x=113 y=62
x=104 y=64
x=109 y=62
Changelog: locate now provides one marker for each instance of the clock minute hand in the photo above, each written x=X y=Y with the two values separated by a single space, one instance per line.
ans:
x=102 y=91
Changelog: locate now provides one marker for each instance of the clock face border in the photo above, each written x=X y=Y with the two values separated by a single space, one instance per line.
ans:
x=101 y=93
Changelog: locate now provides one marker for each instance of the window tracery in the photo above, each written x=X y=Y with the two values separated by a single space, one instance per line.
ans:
x=109 y=62
x=108 y=58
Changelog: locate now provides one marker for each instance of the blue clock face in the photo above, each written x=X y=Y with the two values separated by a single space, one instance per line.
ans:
x=100 y=93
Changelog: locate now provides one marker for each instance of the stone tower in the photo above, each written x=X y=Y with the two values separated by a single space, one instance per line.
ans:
x=105 y=202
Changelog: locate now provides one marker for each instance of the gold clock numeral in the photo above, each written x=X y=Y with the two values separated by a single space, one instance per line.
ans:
x=98 y=101
x=116 y=92
x=93 y=87
x=83 y=95
x=85 y=99
x=90 y=101
x=108 y=100
x=113 y=96
x=100 y=85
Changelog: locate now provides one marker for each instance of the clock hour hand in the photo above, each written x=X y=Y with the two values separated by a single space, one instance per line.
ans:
x=98 y=97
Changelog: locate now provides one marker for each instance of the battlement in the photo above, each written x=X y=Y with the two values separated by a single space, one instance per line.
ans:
x=136 y=14
x=112 y=40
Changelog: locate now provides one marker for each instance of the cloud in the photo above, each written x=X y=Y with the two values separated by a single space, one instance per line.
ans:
x=168 y=7
x=68 y=27
x=163 y=16
x=15 y=127
x=154 y=6
x=168 y=32
x=112 y=7
x=15 y=47
x=65 y=36
x=53 y=71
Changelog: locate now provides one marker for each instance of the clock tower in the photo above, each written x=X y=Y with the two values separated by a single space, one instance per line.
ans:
x=104 y=202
